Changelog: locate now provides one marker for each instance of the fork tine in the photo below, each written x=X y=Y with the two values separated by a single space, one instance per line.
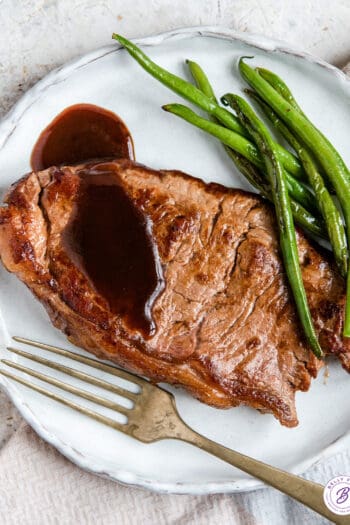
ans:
x=76 y=373
x=68 y=388
x=128 y=376
x=86 y=411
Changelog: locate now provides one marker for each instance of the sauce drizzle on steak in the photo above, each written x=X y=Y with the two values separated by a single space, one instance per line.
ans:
x=111 y=241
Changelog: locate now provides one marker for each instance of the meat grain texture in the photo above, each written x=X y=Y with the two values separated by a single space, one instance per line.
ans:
x=227 y=328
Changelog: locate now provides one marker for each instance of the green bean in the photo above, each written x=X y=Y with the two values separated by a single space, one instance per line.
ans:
x=307 y=221
x=329 y=210
x=245 y=166
x=255 y=178
x=180 y=86
x=189 y=92
x=326 y=155
x=281 y=87
x=297 y=189
x=250 y=172
x=293 y=112
x=201 y=80
x=288 y=241
x=301 y=193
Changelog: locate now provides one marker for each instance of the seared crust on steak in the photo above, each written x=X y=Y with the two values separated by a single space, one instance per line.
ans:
x=227 y=329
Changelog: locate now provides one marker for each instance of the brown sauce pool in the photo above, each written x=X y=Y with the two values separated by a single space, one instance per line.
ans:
x=108 y=237
x=79 y=133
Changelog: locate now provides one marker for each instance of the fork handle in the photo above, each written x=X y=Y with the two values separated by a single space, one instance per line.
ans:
x=302 y=490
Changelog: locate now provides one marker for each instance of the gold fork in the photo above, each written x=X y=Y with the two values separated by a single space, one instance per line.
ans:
x=154 y=416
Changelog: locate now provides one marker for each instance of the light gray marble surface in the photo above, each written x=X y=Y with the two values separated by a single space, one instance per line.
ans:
x=39 y=35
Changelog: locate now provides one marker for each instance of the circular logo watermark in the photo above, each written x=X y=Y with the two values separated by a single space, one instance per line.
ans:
x=336 y=495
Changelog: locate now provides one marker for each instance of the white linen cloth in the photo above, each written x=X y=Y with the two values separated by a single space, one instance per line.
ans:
x=38 y=486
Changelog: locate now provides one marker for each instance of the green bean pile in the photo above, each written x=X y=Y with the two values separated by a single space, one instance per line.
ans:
x=299 y=186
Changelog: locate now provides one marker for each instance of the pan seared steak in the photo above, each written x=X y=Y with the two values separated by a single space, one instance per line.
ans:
x=215 y=315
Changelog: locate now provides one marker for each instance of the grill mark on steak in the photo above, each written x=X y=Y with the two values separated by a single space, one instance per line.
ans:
x=216 y=218
x=47 y=224
x=227 y=327
x=231 y=270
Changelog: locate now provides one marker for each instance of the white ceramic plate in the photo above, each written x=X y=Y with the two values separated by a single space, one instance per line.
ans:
x=110 y=78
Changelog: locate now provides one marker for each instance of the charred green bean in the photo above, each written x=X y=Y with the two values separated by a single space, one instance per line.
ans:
x=251 y=172
x=328 y=208
x=191 y=93
x=241 y=145
x=288 y=242
x=326 y=155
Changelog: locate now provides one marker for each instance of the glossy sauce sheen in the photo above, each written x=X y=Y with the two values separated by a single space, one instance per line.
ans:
x=111 y=239
x=79 y=133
